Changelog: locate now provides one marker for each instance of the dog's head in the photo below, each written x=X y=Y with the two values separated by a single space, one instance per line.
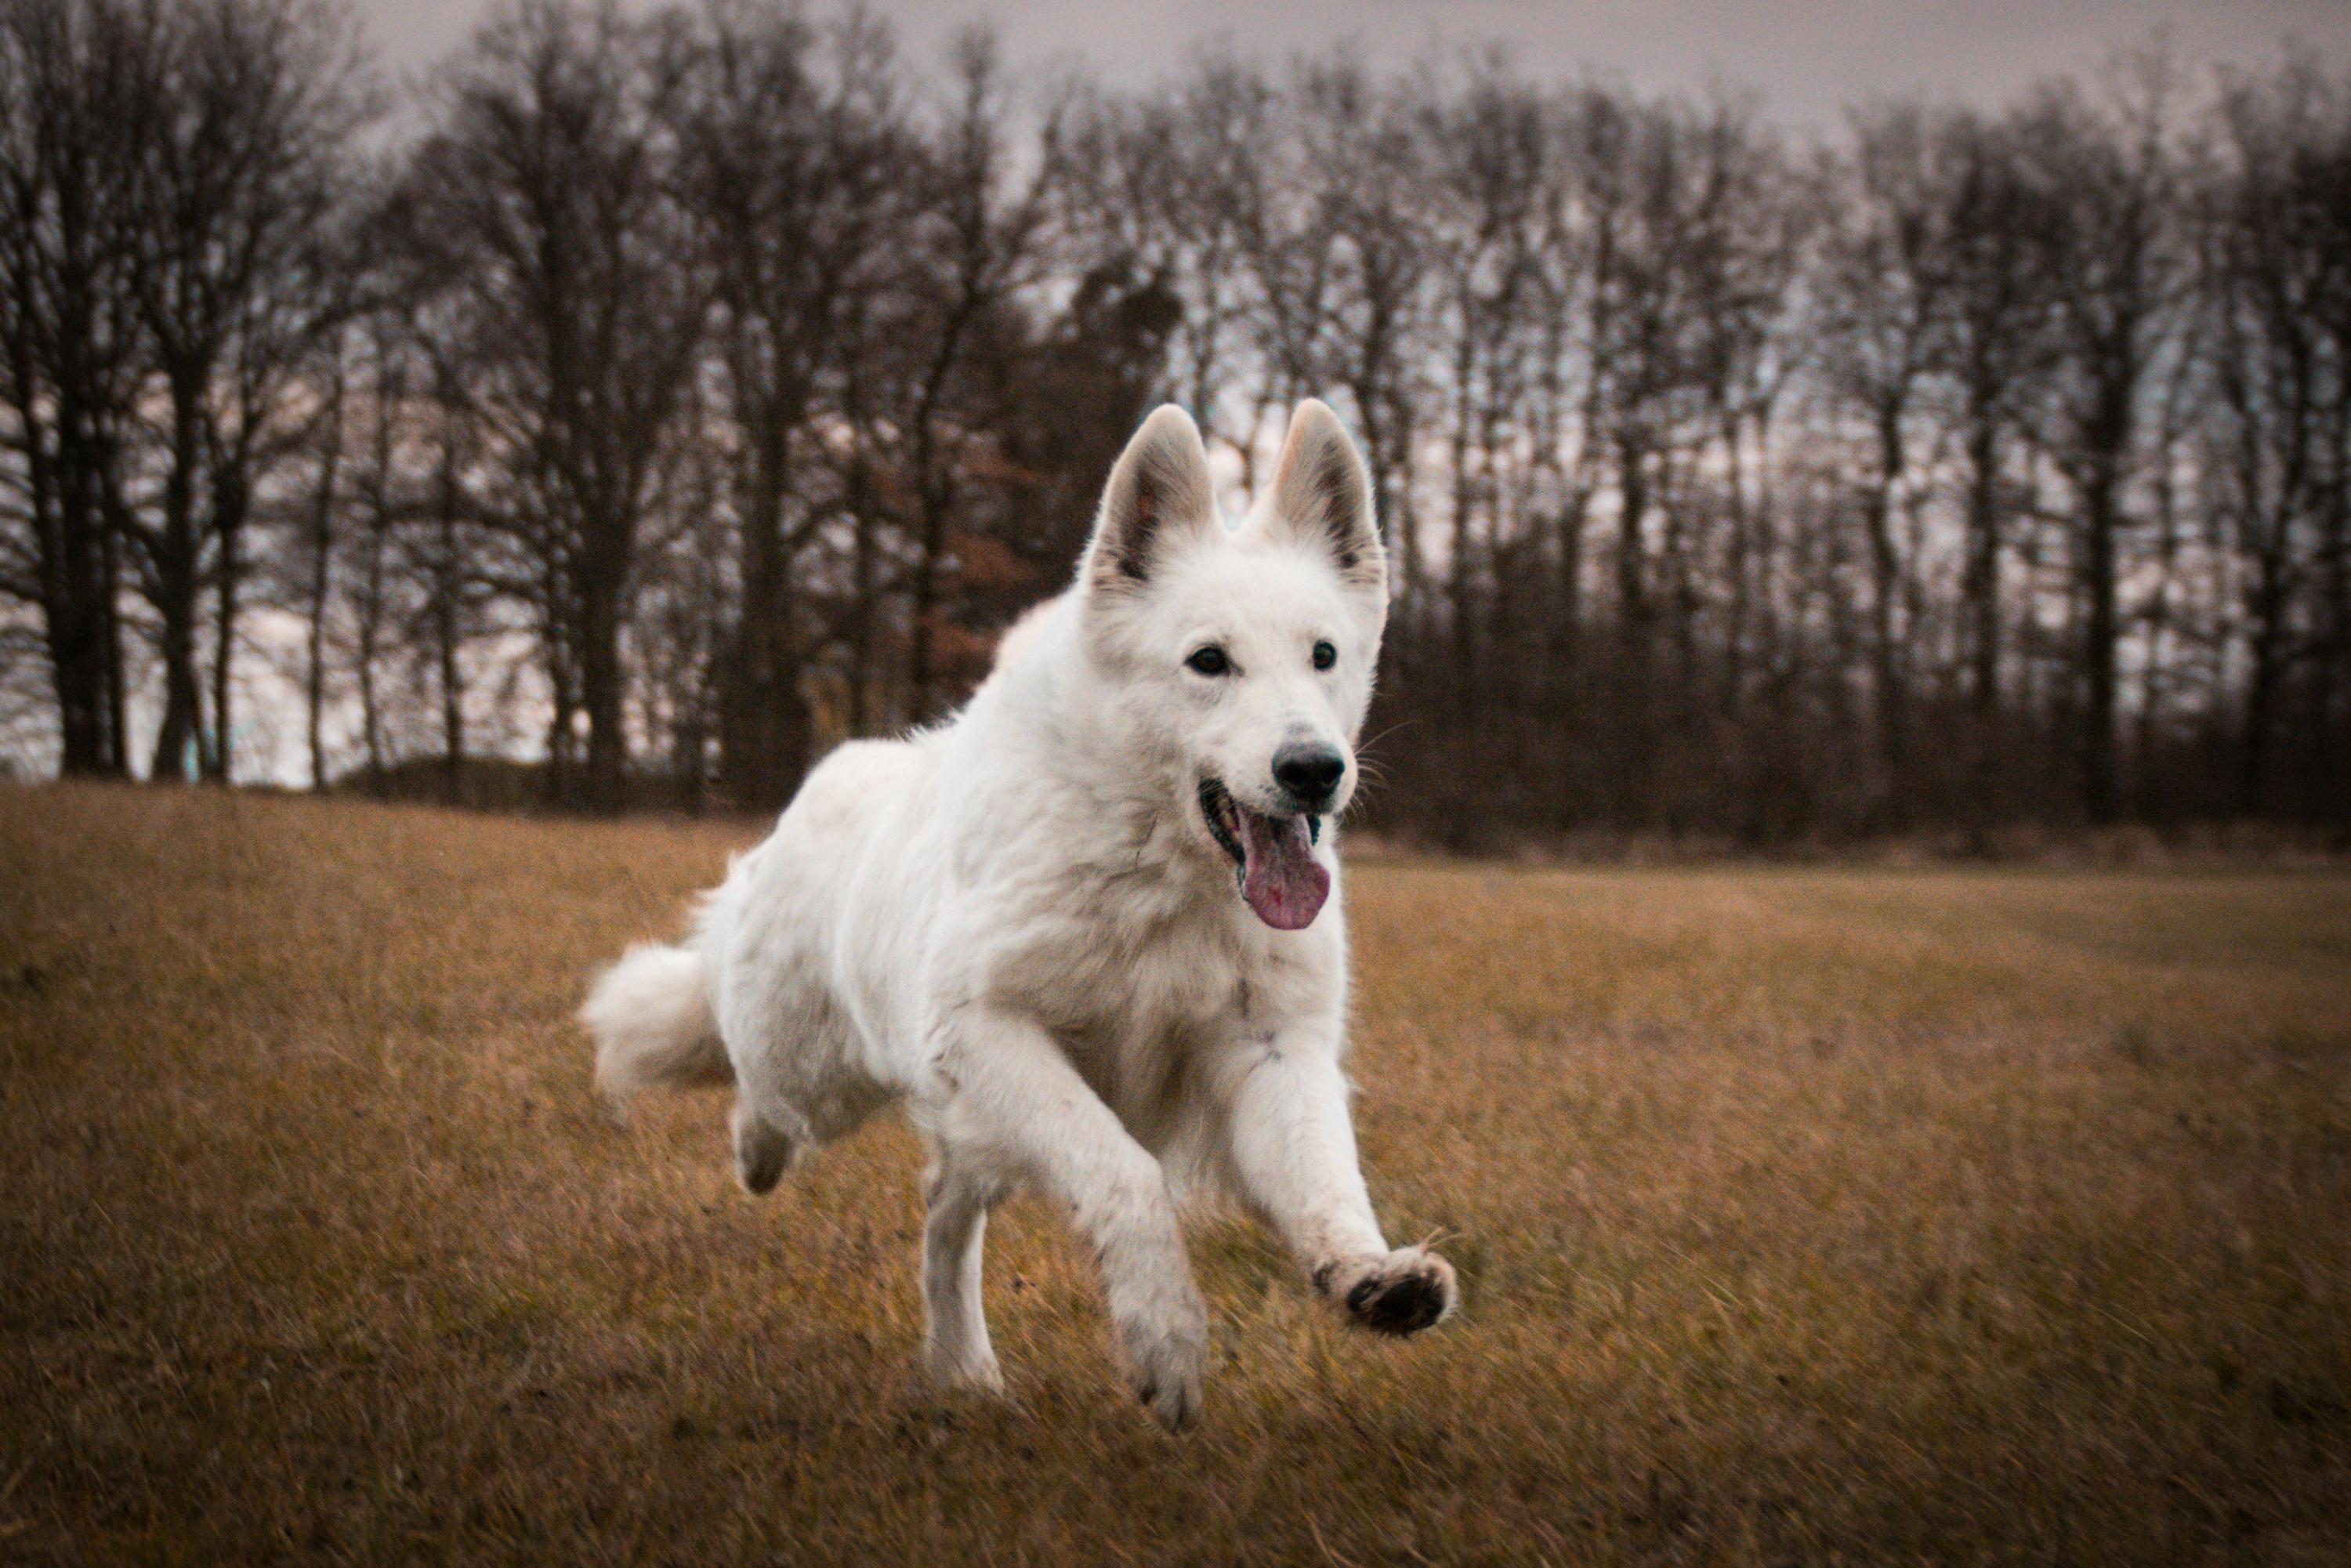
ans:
x=1243 y=658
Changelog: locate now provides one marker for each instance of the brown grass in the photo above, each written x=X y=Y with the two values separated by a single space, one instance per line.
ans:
x=1803 y=1215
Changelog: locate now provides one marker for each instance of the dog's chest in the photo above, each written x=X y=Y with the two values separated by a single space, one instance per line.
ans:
x=1136 y=979
x=1165 y=981
x=1137 y=1028
x=1143 y=1006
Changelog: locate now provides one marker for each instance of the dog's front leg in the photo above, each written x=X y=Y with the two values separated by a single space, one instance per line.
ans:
x=1284 y=1105
x=1004 y=1102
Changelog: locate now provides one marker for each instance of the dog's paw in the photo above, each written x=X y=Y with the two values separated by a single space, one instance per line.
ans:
x=1164 y=1367
x=763 y=1150
x=958 y=1372
x=1401 y=1293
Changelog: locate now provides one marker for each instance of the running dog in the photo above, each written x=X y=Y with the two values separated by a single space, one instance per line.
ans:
x=1090 y=931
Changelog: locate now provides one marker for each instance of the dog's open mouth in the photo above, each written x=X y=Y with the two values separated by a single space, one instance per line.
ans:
x=1273 y=858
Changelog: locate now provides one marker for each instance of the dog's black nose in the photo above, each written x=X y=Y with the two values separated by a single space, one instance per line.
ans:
x=1309 y=771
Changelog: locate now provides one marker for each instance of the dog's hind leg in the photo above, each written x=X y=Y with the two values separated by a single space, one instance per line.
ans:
x=954 y=1320
x=763 y=1150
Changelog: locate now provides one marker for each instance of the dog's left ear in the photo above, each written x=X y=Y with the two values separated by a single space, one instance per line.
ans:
x=1323 y=496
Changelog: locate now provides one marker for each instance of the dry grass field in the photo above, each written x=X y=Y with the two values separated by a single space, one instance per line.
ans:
x=1803 y=1216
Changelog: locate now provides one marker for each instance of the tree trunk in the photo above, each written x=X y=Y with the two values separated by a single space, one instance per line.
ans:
x=2265 y=647
x=322 y=544
x=764 y=738
x=764 y=722
x=446 y=637
x=177 y=644
x=448 y=630
x=1980 y=595
x=1886 y=581
x=118 y=699
x=2101 y=783
x=230 y=527
x=1730 y=696
x=1634 y=709
x=1463 y=584
x=73 y=551
x=370 y=624
x=1567 y=609
x=78 y=642
x=175 y=599
x=600 y=681
x=864 y=602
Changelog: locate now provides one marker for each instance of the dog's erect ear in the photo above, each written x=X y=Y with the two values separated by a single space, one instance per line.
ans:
x=1323 y=495
x=1159 y=493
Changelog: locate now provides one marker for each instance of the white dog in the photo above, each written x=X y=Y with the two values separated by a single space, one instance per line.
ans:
x=1090 y=931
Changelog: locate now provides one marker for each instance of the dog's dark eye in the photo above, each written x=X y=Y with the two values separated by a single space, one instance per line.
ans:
x=1209 y=661
x=1325 y=655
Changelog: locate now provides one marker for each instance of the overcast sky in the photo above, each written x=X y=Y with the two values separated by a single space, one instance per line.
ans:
x=1808 y=58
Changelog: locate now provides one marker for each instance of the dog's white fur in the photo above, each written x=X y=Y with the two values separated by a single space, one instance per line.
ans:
x=1020 y=924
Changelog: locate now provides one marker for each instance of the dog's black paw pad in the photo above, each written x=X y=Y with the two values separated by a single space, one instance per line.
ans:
x=1401 y=1303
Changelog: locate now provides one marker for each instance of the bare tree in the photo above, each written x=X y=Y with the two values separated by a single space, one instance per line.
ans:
x=317 y=549
x=981 y=228
x=1883 y=291
x=2113 y=240
x=241 y=155
x=713 y=385
x=75 y=79
x=2276 y=278
x=543 y=217
x=1997 y=349
x=793 y=144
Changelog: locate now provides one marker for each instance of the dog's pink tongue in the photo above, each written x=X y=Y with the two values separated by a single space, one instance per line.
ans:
x=1281 y=879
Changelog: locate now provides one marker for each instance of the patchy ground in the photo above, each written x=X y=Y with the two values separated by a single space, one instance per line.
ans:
x=1802 y=1215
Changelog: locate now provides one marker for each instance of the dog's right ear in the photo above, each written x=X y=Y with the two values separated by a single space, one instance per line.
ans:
x=1159 y=494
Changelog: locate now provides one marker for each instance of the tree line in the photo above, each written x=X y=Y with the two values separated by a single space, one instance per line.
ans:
x=666 y=397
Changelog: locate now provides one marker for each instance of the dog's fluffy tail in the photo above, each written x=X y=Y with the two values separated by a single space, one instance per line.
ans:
x=651 y=1015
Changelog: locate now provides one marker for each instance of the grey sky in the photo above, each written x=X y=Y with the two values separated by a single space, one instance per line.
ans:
x=1806 y=57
